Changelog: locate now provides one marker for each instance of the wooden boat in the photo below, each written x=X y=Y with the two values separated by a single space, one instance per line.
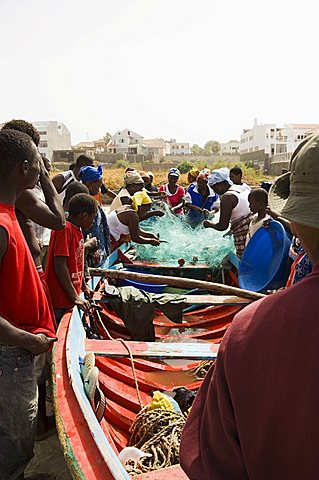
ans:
x=90 y=447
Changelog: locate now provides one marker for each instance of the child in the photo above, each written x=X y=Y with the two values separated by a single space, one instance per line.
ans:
x=258 y=201
x=65 y=265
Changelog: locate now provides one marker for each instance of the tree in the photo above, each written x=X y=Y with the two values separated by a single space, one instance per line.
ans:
x=107 y=137
x=212 y=146
x=197 y=150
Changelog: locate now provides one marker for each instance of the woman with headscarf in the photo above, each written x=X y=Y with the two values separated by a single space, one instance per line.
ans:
x=135 y=194
x=200 y=199
x=234 y=208
x=192 y=175
x=92 y=178
x=175 y=194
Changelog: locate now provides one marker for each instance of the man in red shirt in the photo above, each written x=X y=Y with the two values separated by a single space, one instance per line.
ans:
x=256 y=413
x=65 y=264
x=26 y=325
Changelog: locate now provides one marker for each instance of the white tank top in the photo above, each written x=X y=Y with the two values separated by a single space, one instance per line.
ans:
x=69 y=177
x=242 y=208
x=116 y=227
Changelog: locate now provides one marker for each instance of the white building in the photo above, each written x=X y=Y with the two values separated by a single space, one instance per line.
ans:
x=231 y=147
x=124 y=141
x=53 y=136
x=274 y=140
x=179 y=148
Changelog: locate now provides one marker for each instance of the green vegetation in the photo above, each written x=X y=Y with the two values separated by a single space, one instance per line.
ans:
x=185 y=166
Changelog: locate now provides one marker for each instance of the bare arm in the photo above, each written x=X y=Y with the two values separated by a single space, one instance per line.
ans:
x=58 y=181
x=131 y=219
x=179 y=206
x=227 y=204
x=63 y=274
x=15 y=336
x=190 y=206
x=144 y=212
x=29 y=234
x=49 y=214
x=284 y=222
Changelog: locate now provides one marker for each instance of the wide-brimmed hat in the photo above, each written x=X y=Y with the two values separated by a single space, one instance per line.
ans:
x=295 y=195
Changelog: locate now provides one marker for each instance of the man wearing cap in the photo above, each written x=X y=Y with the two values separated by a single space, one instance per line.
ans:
x=234 y=208
x=256 y=413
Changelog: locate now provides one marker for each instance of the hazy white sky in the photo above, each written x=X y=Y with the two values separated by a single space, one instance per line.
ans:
x=193 y=70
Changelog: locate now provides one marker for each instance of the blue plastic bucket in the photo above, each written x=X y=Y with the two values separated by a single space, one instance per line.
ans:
x=264 y=264
x=147 y=287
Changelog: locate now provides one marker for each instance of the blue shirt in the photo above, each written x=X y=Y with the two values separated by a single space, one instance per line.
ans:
x=100 y=230
x=194 y=197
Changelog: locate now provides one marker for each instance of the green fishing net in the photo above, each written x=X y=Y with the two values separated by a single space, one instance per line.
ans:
x=194 y=245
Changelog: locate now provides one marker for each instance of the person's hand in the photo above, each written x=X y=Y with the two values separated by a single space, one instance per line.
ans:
x=91 y=243
x=266 y=223
x=40 y=343
x=205 y=212
x=155 y=242
x=273 y=214
x=207 y=224
x=163 y=194
x=82 y=304
x=158 y=213
x=96 y=257
x=88 y=292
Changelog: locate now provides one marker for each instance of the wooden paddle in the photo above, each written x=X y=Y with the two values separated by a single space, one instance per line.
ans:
x=176 y=282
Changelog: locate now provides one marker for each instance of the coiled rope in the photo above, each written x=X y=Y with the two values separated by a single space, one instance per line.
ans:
x=157 y=432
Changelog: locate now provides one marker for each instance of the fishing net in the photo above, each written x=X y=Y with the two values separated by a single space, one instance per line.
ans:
x=194 y=245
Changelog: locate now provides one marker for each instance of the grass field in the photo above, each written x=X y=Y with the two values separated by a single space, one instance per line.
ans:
x=114 y=178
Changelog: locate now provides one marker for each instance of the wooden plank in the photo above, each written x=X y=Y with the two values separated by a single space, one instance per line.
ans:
x=153 y=350
x=215 y=300
x=177 y=282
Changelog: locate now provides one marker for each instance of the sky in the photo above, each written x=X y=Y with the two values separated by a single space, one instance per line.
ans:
x=193 y=70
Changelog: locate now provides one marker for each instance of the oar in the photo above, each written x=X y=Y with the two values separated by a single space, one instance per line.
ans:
x=177 y=282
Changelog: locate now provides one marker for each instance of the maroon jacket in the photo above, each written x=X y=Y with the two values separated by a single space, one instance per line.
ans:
x=256 y=416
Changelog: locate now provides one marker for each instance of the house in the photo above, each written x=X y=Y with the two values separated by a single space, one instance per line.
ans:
x=156 y=147
x=262 y=143
x=230 y=148
x=53 y=136
x=124 y=141
x=179 y=148
x=91 y=148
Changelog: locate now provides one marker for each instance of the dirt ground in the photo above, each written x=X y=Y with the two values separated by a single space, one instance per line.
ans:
x=48 y=459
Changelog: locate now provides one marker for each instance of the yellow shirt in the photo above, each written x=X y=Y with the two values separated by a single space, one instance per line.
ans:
x=140 y=198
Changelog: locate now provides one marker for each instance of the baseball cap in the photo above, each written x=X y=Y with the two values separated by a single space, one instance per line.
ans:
x=295 y=194
x=174 y=171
